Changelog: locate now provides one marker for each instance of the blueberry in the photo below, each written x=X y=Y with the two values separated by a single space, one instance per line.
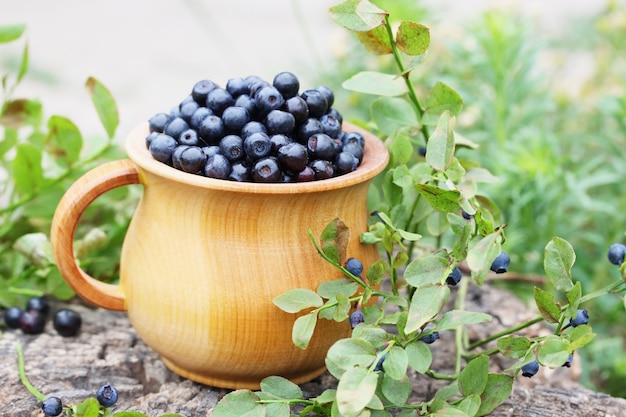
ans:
x=298 y=107
x=201 y=89
x=211 y=129
x=258 y=85
x=150 y=138
x=67 y=322
x=430 y=338
x=568 y=362
x=530 y=369
x=240 y=171
x=106 y=395
x=52 y=406
x=266 y=170
x=354 y=149
x=321 y=146
x=157 y=122
x=379 y=364
x=616 y=254
x=287 y=83
x=217 y=166
x=278 y=141
x=582 y=317
x=336 y=114
x=188 y=109
x=501 y=264
x=330 y=125
x=189 y=137
x=316 y=102
x=356 y=318
x=176 y=127
x=279 y=122
x=231 y=146
x=198 y=116
x=328 y=94
x=257 y=145
x=323 y=169
x=307 y=174
x=306 y=129
x=209 y=151
x=237 y=87
x=176 y=155
x=268 y=99
x=293 y=157
x=218 y=100
x=32 y=322
x=39 y=304
x=353 y=137
x=421 y=150
x=247 y=103
x=454 y=277
x=12 y=317
x=252 y=127
x=354 y=266
x=466 y=215
x=345 y=162
x=234 y=118
x=192 y=159
x=162 y=147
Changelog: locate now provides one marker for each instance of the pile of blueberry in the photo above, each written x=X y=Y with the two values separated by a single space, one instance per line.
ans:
x=255 y=131
x=32 y=319
x=106 y=397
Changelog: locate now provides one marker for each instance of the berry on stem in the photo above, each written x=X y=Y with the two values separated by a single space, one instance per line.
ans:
x=354 y=266
x=616 y=254
x=530 y=369
x=106 y=395
x=52 y=406
x=501 y=264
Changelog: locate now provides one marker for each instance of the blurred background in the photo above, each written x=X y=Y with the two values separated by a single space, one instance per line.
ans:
x=543 y=85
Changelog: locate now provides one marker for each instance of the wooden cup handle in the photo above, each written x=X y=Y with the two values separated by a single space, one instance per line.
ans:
x=66 y=217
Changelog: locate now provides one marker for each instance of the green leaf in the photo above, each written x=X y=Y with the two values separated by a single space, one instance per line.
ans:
x=11 y=32
x=439 y=198
x=396 y=390
x=239 y=403
x=547 y=305
x=376 y=271
x=297 y=300
x=460 y=247
x=105 y=105
x=481 y=255
x=559 y=257
x=21 y=112
x=281 y=388
x=513 y=346
x=279 y=409
x=441 y=99
x=419 y=355
x=334 y=240
x=355 y=389
x=440 y=146
x=455 y=318
x=64 y=140
x=497 y=390
x=328 y=396
x=375 y=41
x=303 y=329
x=469 y=405
x=342 y=309
x=553 y=352
x=375 y=335
x=573 y=298
x=428 y=270
x=396 y=363
x=27 y=171
x=412 y=38
x=329 y=289
x=376 y=83
x=348 y=353
x=357 y=15
x=87 y=408
x=392 y=114
x=401 y=149
x=138 y=414
x=23 y=64
x=473 y=378
x=425 y=305
x=580 y=337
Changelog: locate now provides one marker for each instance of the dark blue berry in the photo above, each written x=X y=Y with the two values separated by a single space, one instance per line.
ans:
x=32 y=322
x=237 y=86
x=530 y=369
x=217 y=166
x=39 y=304
x=379 y=364
x=188 y=109
x=67 y=322
x=582 y=317
x=211 y=129
x=466 y=215
x=198 y=116
x=356 y=318
x=150 y=138
x=354 y=149
x=430 y=338
x=287 y=83
x=454 y=277
x=307 y=174
x=176 y=127
x=162 y=147
x=328 y=94
x=12 y=317
x=316 y=101
x=257 y=145
x=189 y=137
x=323 y=169
x=201 y=89
x=330 y=125
x=345 y=162
x=336 y=114
x=158 y=122
x=209 y=151
x=616 y=254
x=421 y=150
x=279 y=122
x=52 y=406
x=354 y=266
x=278 y=141
x=308 y=128
x=106 y=395
x=247 y=103
x=268 y=99
x=501 y=264
x=235 y=118
x=293 y=157
x=297 y=106
x=218 y=100
x=252 y=127
x=266 y=170
x=192 y=159
x=568 y=362
x=353 y=137
x=321 y=146
x=231 y=146
x=240 y=171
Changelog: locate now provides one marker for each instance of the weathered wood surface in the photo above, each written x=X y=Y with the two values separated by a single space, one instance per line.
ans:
x=108 y=351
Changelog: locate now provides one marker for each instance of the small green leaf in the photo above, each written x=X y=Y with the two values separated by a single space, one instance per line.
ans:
x=441 y=99
x=281 y=388
x=334 y=240
x=473 y=378
x=396 y=390
x=356 y=388
x=469 y=405
x=440 y=146
x=11 y=32
x=392 y=114
x=412 y=38
x=297 y=300
x=573 y=298
x=348 y=353
x=447 y=392
x=547 y=305
x=440 y=199
x=375 y=41
x=580 y=337
x=513 y=346
x=64 y=140
x=357 y=15
x=375 y=335
x=343 y=308
x=481 y=255
x=329 y=289
x=376 y=83
x=327 y=396
x=455 y=318
x=401 y=148
x=303 y=329
x=419 y=355
x=553 y=352
x=497 y=390
x=428 y=270
x=559 y=257
x=426 y=303
x=396 y=363
x=376 y=272
x=88 y=408
x=23 y=64
x=239 y=403
x=21 y=112
x=279 y=409
x=27 y=171
x=105 y=105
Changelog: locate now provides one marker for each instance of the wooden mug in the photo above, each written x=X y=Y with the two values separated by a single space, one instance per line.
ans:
x=203 y=258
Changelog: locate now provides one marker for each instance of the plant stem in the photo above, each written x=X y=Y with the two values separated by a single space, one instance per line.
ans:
x=505 y=332
x=437 y=375
x=606 y=290
x=23 y=378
